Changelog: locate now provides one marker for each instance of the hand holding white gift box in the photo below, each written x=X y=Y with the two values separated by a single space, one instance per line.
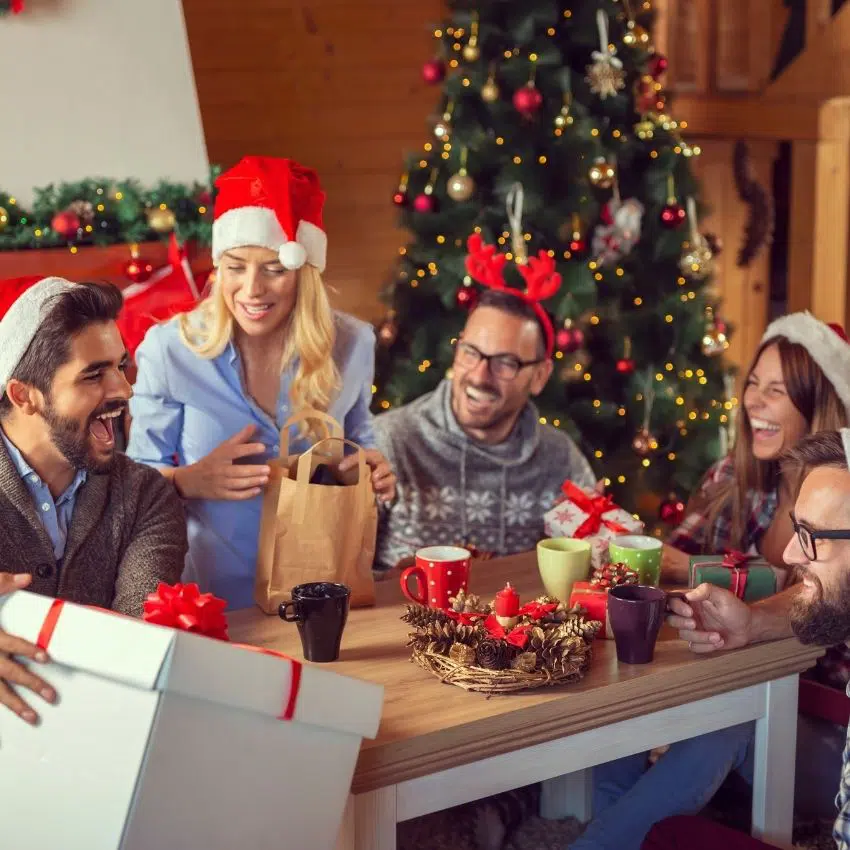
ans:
x=590 y=515
x=161 y=738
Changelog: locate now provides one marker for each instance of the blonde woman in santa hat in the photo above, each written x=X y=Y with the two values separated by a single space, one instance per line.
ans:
x=798 y=384
x=216 y=385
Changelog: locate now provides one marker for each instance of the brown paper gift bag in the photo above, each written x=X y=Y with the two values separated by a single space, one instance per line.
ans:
x=316 y=532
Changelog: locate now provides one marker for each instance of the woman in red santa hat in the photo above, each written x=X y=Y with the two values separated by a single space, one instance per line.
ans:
x=798 y=384
x=216 y=385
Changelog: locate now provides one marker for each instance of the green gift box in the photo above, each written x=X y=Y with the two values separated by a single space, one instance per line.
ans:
x=749 y=577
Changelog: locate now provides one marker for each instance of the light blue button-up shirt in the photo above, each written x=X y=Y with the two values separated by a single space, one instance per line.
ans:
x=183 y=407
x=54 y=515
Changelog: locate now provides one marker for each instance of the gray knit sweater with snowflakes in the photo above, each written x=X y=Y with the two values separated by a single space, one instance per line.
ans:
x=453 y=490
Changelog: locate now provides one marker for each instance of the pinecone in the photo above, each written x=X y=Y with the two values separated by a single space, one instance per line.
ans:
x=420 y=616
x=560 y=648
x=465 y=603
x=526 y=662
x=492 y=654
x=439 y=637
x=462 y=654
x=581 y=627
x=613 y=575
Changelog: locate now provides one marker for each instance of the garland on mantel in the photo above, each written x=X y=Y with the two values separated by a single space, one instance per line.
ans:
x=100 y=211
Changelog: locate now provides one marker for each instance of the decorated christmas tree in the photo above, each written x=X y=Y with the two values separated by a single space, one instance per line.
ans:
x=552 y=142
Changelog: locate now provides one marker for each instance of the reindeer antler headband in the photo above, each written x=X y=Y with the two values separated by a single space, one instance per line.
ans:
x=486 y=265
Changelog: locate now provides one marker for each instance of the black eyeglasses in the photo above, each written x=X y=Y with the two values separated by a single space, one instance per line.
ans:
x=504 y=366
x=808 y=536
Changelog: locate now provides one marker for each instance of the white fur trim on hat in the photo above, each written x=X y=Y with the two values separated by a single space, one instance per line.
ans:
x=259 y=226
x=824 y=345
x=845 y=441
x=18 y=327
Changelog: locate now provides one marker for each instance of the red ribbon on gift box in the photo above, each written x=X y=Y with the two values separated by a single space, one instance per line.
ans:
x=174 y=603
x=595 y=506
x=738 y=564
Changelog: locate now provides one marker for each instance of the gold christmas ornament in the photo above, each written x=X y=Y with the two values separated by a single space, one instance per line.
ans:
x=645 y=129
x=697 y=261
x=460 y=187
x=4 y=219
x=644 y=442
x=563 y=119
x=602 y=173
x=471 y=51
x=161 y=220
x=714 y=340
x=636 y=36
x=442 y=129
x=490 y=90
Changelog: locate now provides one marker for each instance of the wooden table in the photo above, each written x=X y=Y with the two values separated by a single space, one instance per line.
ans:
x=439 y=746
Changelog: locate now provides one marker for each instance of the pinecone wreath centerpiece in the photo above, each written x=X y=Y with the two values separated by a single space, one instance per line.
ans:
x=501 y=646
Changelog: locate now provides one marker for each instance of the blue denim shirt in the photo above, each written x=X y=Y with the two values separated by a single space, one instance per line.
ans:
x=185 y=406
x=54 y=515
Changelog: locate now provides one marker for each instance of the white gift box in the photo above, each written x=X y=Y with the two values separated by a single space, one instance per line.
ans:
x=566 y=518
x=165 y=740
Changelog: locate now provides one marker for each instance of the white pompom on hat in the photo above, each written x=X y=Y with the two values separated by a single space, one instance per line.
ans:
x=271 y=203
x=827 y=345
x=21 y=322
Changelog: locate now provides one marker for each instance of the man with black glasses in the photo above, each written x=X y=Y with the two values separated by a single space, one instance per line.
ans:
x=475 y=465
x=817 y=611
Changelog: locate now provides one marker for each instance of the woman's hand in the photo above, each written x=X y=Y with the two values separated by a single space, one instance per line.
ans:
x=219 y=476
x=383 y=477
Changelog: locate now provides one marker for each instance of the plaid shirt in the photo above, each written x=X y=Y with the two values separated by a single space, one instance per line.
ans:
x=696 y=537
x=841 y=830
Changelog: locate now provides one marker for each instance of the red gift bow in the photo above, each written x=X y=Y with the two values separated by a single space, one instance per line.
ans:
x=183 y=606
x=738 y=564
x=536 y=610
x=595 y=506
x=516 y=637
x=51 y=619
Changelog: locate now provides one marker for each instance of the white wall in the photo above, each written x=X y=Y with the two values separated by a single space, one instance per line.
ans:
x=97 y=88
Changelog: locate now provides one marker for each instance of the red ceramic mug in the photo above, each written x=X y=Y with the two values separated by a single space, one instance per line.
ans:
x=440 y=572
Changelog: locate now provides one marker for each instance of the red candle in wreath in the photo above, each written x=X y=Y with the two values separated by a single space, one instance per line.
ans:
x=506 y=606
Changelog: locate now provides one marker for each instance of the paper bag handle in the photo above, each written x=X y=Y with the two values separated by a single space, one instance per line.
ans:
x=332 y=427
x=305 y=468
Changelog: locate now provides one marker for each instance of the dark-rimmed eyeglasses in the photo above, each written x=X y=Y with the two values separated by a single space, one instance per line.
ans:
x=807 y=537
x=503 y=366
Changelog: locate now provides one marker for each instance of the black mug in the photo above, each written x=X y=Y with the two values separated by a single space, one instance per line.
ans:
x=320 y=608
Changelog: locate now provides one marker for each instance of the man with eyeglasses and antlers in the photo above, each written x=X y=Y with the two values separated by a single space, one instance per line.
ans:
x=475 y=465
x=817 y=611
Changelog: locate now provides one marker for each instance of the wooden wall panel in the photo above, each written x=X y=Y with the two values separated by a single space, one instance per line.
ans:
x=745 y=292
x=689 y=38
x=335 y=85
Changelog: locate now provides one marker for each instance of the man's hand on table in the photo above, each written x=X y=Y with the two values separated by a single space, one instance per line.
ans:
x=13 y=673
x=712 y=618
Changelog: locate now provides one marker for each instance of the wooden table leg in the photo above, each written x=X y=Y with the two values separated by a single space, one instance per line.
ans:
x=775 y=754
x=568 y=796
x=370 y=821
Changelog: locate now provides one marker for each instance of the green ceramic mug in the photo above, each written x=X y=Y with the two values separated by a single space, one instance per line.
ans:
x=562 y=562
x=640 y=552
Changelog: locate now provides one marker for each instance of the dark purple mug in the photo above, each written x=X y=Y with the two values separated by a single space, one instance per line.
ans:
x=636 y=612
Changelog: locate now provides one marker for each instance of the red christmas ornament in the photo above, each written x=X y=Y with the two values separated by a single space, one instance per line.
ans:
x=625 y=366
x=66 y=224
x=138 y=270
x=578 y=246
x=466 y=297
x=400 y=199
x=672 y=510
x=205 y=198
x=527 y=101
x=425 y=203
x=657 y=65
x=569 y=339
x=605 y=216
x=673 y=215
x=646 y=95
x=434 y=71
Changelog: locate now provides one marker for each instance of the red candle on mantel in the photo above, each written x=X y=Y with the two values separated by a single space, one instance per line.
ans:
x=507 y=602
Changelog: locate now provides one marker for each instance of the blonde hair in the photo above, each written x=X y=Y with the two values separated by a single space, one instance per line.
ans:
x=310 y=334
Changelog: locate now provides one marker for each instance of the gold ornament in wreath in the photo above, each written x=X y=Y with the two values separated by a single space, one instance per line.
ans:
x=547 y=643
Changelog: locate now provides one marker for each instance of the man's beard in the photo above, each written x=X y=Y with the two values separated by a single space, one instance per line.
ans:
x=820 y=621
x=73 y=442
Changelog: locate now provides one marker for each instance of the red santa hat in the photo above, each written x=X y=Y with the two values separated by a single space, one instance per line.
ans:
x=272 y=203
x=826 y=344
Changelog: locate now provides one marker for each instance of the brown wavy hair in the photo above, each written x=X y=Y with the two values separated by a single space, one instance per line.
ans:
x=813 y=395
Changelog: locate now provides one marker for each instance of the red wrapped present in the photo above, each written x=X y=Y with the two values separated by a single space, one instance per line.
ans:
x=595 y=599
